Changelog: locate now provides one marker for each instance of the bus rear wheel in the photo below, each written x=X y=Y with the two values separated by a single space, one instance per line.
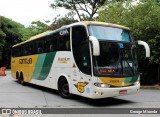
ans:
x=63 y=88
x=22 y=82
x=18 y=78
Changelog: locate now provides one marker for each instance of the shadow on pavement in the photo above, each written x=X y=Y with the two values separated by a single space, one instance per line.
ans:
x=91 y=102
x=102 y=102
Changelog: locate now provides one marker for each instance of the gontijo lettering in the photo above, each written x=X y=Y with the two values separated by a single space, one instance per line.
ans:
x=25 y=61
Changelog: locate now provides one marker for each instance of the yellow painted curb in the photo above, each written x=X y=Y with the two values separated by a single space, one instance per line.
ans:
x=150 y=87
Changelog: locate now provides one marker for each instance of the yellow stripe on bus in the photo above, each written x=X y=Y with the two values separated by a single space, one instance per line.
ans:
x=24 y=64
x=114 y=81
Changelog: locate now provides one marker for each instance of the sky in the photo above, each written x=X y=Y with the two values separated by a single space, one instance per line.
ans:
x=26 y=11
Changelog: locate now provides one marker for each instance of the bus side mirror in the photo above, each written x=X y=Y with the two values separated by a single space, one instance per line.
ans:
x=95 y=45
x=146 y=46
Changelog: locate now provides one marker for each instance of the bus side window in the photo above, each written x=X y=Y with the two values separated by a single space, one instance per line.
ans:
x=26 y=49
x=40 y=47
x=52 y=42
x=22 y=50
x=18 y=53
x=46 y=45
x=51 y=47
x=64 y=41
x=35 y=47
x=30 y=49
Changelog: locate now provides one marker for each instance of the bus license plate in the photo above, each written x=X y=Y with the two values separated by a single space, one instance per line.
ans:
x=123 y=92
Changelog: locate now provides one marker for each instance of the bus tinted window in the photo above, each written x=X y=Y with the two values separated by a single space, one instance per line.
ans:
x=64 y=40
x=80 y=46
x=31 y=49
x=52 y=42
x=40 y=47
x=46 y=44
x=49 y=43
x=110 y=33
x=26 y=49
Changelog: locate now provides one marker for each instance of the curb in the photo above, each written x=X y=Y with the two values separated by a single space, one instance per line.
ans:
x=150 y=87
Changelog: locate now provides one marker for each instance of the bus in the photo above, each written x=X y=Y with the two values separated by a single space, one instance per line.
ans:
x=90 y=59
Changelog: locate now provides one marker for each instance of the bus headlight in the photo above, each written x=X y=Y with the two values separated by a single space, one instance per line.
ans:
x=137 y=83
x=102 y=85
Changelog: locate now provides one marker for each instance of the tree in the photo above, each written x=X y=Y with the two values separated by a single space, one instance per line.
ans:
x=88 y=7
x=61 y=21
x=37 y=27
x=144 y=21
x=9 y=35
x=2 y=37
x=145 y=24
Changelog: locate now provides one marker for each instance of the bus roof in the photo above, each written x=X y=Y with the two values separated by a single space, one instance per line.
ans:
x=33 y=38
x=41 y=35
x=64 y=27
x=99 y=23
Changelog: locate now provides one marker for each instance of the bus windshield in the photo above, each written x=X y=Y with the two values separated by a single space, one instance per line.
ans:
x=116 y=59
x=117 y=52
x=110 y=33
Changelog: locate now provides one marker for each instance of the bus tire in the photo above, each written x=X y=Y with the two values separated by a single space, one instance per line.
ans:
x=18 y=78
x=63 y=89
x=22 y=82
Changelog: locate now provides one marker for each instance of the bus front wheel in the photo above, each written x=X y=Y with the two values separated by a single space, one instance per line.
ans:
x=63 y=88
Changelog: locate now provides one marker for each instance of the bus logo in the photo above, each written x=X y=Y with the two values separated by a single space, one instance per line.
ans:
x=64 y=32
x=63 y=60
x=81 y=86
x=25 y=61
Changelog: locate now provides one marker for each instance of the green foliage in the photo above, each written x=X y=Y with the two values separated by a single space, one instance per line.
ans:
x=61 y=21
x=38 y=27
x=35 y=28
x=143 y=19
x=2 y=37
x=81 y=7
x=9 y=32
x=9 y=35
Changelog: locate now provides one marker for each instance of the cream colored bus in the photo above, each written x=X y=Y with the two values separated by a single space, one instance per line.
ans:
x=90 y=59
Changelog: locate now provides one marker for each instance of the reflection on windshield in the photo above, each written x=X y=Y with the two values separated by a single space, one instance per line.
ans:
x=110 y=33
x=116 y=59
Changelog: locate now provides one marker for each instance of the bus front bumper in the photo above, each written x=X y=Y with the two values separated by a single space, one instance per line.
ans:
x=112 y=92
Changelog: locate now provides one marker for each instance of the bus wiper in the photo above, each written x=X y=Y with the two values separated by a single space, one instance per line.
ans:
x=118 y=62
x=121 y=61
x=123 y=57
x=130 y=67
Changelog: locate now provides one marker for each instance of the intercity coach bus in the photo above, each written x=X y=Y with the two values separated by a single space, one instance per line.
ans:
x=89 y=59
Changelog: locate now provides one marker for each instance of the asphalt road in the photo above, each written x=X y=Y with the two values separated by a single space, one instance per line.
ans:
x=13 y=95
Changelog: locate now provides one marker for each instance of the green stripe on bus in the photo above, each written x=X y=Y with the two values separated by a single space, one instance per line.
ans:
x=47 y=65
x=131 y=79
x=134 y=79
x=38 y=66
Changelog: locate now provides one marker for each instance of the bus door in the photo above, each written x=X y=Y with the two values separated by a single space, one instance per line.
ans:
x=81 y=54
x=85 y=69
x=81 y=72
